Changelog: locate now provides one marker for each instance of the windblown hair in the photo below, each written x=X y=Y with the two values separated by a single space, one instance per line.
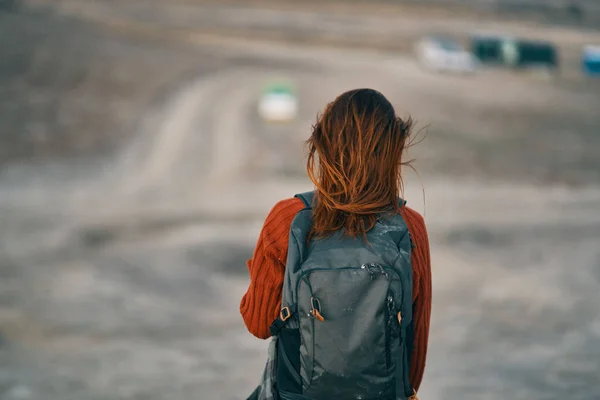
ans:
x=359 y=142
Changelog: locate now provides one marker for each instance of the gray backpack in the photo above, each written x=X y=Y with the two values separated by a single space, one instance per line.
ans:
x=345 y=329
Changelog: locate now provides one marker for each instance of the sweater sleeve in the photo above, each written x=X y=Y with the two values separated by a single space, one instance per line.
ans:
x=261 y=304
x=421 y=293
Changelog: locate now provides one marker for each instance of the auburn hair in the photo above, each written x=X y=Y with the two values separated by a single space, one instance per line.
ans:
x=359 y=141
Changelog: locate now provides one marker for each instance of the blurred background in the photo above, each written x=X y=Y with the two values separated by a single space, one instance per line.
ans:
x=142 y=143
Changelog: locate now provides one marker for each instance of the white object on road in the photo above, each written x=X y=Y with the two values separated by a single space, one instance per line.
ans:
x=278 y=104
x=443 y=54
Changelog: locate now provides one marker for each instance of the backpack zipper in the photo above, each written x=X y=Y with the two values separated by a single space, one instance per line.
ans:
x=391 y=313
x=372 y=268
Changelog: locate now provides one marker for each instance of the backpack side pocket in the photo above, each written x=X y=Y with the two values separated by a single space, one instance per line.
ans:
x=288 y=361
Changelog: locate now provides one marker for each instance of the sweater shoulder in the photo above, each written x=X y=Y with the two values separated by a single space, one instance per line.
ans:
x=284 y=211
x=276 y=228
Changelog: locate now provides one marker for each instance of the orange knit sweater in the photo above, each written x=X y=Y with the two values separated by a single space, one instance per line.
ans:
x=261 y=304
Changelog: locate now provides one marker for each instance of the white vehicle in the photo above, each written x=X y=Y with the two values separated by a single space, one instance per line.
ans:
x=443 y=54
x=278 y=104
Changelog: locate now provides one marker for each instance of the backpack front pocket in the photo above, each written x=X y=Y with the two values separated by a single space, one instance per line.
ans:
x=346 y=332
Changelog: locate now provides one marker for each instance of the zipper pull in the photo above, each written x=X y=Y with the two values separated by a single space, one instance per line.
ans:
x=317 y=315
x=315 y=311
x=368 y=268
x=391 y=309
x=383 y=271
x=390 y=305
x=373 y=268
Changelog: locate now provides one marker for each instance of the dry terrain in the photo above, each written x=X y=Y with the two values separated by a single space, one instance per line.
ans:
x=121 y=268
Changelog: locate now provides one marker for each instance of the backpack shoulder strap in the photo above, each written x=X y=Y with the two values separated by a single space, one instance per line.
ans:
x=307 y=198
x=296 y=252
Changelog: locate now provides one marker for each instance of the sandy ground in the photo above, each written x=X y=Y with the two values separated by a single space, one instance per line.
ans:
x=121 y=279
x=71 y=88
